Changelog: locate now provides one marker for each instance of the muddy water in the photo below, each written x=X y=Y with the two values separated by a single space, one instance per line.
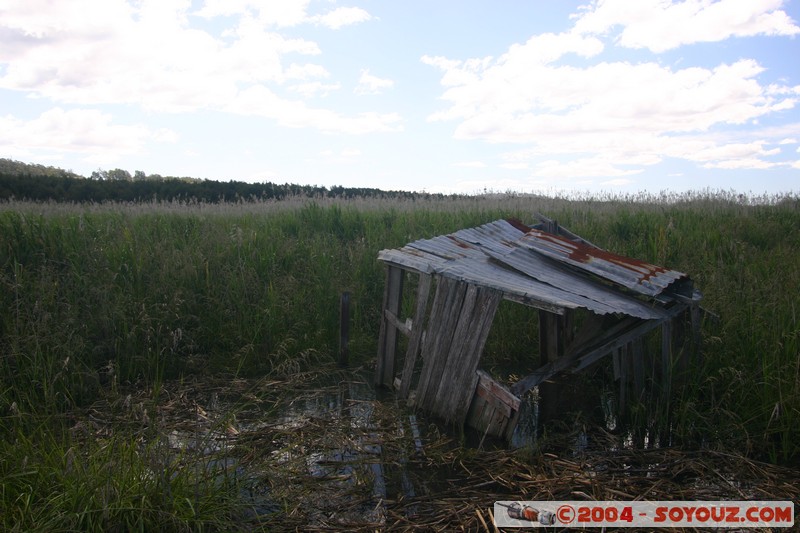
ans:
x=327 y=453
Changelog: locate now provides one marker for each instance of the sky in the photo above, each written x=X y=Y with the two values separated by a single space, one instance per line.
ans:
x=529 y=96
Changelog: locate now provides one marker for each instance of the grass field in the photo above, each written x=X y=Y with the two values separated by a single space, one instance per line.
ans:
x=95 y=299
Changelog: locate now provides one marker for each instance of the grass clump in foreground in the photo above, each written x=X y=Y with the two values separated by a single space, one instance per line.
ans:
x=56 y=482
x=97 y=299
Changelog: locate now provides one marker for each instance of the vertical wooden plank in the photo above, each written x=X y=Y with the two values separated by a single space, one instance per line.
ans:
x=451 y=358
x=387 y=341
x=666 y=359
x=465 y=355
x=434 y=319
x=418 y=328
x=696 y=353
x=638 y=368
x=550 y=349
x=680 y=345
x=445 y=320
x=625 y=354
x=615 y=362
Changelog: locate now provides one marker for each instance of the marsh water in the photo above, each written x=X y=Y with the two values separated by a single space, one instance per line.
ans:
x=339 y=451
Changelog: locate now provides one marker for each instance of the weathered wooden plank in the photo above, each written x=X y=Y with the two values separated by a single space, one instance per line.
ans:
x=387 y=340
x=625 y=354
x=493 y=410
x=423 y=292
x=403 y=326
x=637 y=347
x=666 y=359
x=485 y=392
x=695 y=319
x=479 y=413
x=550 y=347
x=446 y=318
x=535 y=303
x=462 y=364
x=455 y=358
x=498 y=391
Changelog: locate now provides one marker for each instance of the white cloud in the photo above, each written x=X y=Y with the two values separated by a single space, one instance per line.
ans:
x=261 y=101
x=146 y=54
x=369 y=84
x=617 y=182
x=342 y=16
x=470 y=164
x=314 y=88
x=741 y=163
x=280 y=13
x=661 y=25
x=788 y=140
x=615 y=117
x=592 y=167
x=283 y=13
x=86 y=131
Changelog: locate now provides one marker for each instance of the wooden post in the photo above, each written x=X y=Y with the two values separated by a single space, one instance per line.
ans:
x=625 y=356
x=550 y=349
x=666 y=360
x=387 y=340
x=638 y=368
x=696 y=354
x=344 y=328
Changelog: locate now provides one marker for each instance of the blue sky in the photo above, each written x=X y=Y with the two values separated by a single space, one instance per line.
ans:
x=616 y=96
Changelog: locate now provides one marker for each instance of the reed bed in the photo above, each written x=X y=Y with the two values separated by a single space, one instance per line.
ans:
x=300 y=452
x=105 y=301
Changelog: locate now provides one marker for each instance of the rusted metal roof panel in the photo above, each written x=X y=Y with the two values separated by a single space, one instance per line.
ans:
x=542 y=269
x=639 y=276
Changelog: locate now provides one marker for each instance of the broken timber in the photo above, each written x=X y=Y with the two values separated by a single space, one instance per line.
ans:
x=544 y=267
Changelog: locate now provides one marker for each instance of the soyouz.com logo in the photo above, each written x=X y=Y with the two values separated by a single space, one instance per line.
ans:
x=716 y=514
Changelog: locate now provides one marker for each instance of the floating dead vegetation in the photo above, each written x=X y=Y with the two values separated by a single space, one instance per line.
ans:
x=317 y=451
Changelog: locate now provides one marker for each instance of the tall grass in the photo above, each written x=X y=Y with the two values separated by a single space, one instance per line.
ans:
x=96 y=295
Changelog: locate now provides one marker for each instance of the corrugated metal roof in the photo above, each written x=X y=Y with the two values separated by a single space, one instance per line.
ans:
x=543 y=269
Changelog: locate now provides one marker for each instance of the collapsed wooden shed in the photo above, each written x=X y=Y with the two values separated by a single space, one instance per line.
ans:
x=545 y=267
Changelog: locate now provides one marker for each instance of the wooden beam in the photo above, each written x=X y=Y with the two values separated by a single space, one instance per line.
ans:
x=562 y=363
x=578 y=360
x=403 y=327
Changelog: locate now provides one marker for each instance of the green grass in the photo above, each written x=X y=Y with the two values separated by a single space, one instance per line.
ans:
x=94 y=296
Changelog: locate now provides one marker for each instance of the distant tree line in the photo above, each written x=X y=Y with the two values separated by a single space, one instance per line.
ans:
x=24 y=181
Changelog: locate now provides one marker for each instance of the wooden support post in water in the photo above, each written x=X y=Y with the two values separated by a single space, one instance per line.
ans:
x=344 y=328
